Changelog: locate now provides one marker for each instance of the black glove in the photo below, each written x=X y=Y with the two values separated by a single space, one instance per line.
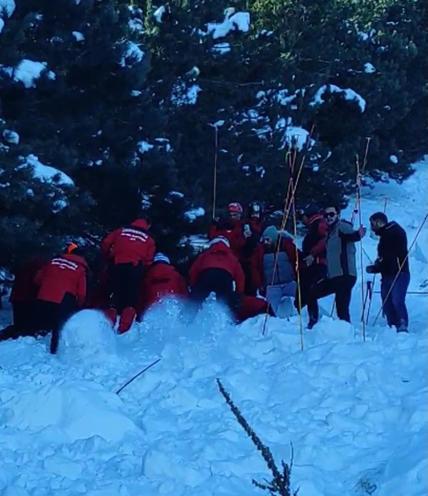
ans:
x=371 y=269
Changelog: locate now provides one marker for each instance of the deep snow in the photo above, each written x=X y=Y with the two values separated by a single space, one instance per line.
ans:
x=356 y=412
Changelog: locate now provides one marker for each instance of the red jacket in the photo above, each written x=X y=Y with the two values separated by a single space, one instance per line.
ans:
x=256 y=225
x=24 y=288
x=130 y=244
x=314 y=243
x=250 y=306
x=218 y=256
x=64 y=274
x=233 y=230
x=161 y=279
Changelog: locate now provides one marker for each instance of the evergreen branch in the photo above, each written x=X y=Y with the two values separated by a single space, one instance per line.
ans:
x=280 y=484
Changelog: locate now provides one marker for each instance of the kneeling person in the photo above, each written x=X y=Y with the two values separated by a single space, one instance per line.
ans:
x=161 y=280
x=61 y=292
x=217 y=270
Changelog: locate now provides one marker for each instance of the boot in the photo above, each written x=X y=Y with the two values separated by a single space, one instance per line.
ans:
x=127 y=318
x=111 y=314
x=402 y=327
x=311 y=323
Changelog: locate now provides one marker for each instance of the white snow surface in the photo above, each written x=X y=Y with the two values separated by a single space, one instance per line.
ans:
x=348 y=93
x=183 y=94
x=46 y=173
x=355 y=411
x=10 y=136
x=28 y=71
x=7 y=7
x=132 y=55
x=234 y=21
x=192 y=214
x=144 y=146
x=369 y=68
x=295 y=136
x=158 y=13
x=78 y=36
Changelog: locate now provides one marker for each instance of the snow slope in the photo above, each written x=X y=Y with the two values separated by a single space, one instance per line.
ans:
x=356 y=412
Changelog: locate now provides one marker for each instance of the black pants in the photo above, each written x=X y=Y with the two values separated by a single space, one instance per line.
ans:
x=250 y=288
x=50 y=317
x=125 y=284
x=24 y=317
x=341 y=287
x=309 y=278
x=216 y=281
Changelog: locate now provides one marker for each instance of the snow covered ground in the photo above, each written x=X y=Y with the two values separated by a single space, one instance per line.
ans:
x=355 y=412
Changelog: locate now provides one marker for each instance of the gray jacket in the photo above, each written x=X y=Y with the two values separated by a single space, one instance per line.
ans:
x=284 y=272
x=340 y=247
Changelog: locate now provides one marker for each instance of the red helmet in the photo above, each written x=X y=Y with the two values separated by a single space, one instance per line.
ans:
x=235 y=207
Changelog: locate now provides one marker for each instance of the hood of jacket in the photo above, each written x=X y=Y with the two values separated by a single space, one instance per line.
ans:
x=76 y=258
x=140 y=223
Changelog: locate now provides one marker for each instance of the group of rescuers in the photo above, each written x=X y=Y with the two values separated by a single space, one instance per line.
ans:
x=250 y=266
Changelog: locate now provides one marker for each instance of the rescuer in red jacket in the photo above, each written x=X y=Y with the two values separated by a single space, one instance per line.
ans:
x=314 y=260
x=23 y=298
x=231 y=228
x=161 y=280
x=217 y=270
x=24 y=293
x=130 y=250
x=61 y=291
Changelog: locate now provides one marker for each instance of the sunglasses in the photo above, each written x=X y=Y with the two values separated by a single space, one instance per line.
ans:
x=330 y=214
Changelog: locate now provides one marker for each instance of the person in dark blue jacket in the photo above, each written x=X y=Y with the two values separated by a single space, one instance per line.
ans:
x=393 y=265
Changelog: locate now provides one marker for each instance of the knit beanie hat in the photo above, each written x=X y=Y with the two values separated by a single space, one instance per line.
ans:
x=160 y=257
x=272 y=233
x=219 y=239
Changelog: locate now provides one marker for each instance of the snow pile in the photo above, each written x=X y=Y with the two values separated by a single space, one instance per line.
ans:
x=7 y=8
x=76 y=410
x=46 y=173
x=87 y=326
x=348 y=94
x=234 y=21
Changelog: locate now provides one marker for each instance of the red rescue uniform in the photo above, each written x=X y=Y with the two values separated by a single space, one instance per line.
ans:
x=161 y=280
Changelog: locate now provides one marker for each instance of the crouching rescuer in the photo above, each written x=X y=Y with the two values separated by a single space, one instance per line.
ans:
x=61 y=292
x=217 y=270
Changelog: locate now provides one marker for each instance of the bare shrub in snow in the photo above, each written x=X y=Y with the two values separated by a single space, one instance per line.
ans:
x=280 y=483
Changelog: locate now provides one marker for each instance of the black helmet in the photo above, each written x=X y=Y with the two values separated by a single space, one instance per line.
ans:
x=311 y=209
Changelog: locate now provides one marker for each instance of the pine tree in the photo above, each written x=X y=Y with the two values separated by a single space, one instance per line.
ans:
x=90 y=112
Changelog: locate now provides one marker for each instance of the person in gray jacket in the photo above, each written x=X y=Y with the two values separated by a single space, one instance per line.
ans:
x=279 y=268
x=341 y=264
